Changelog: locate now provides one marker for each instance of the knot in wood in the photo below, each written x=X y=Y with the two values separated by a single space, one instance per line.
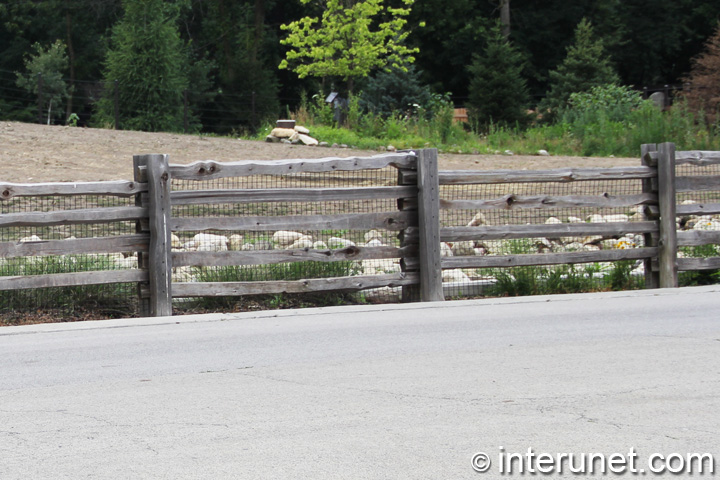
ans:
x=6 y=193
x=164 y=177
x=351 y=251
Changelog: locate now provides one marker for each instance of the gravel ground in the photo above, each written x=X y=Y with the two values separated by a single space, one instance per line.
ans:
x=40 y=153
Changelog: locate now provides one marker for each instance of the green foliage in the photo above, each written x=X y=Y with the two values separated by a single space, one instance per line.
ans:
x=586 y=65
x=523 y=281
x=279 y=272
x=348 y=41
x=602 y=103
x=498 y=91
x=113 y=299
x=699 y=277
x=150 y=65
x=51 y=64
x=397 y=90
x=73 y=119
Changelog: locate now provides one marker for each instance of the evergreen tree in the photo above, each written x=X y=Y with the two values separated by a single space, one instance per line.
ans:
x=498 y=91
x=586 y=65
x=46 y=67
x=150 y=65
x=703 y=94
x=396 y=90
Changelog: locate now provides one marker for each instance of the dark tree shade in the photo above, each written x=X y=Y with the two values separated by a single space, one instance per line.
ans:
x=703 y=94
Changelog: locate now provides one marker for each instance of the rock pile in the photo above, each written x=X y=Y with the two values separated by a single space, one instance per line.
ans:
x=287 y=132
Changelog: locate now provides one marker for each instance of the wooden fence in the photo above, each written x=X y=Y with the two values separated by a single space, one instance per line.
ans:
x=82 y=216
x=416 y=221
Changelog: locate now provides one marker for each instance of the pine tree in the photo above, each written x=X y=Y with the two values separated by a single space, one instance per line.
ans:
x=150 y=65
x=498 y=90
x=46 y=67
x=586 y=65
x=703 y=92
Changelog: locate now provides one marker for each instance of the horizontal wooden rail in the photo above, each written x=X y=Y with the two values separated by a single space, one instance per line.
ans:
x=73 y=217
x=699 y=209
x=119 y=244
x=119 y=188
x=348 y=284
x=697 y=157
x=505 y=232
x=207 y=170
x=198 y=197
x=697 y=184
x=352 y=221
x=709 y=263
x=561 y=175
x=500 y=261
x=694 y=238
x=73 y=279
x=511 y=201
x=264 y=257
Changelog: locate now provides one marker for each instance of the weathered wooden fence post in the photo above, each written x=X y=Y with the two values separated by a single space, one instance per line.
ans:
x=667 y=258
x=159 y=261
x=650 y=185
x=428 y=183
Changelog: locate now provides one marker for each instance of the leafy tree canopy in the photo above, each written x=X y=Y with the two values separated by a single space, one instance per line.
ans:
x=348 y=41
x=45 y=69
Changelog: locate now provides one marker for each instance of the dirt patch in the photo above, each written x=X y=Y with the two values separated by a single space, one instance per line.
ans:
x=40 y=153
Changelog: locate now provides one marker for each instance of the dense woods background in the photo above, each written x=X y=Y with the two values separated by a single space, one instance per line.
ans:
x=221 y=57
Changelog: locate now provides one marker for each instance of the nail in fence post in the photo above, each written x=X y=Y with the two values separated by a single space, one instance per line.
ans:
x=159 y=254
x=431 y=288
x=667 y=258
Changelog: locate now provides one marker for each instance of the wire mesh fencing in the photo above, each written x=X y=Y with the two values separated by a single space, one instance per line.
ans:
x=293 y=235
x=19 y=233
x=536 y=263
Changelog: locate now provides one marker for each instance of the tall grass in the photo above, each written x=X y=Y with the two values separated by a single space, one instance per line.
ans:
x=610 y=120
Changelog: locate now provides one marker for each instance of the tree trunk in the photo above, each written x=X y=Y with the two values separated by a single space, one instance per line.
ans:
x=505 y=17
x=259 y=29
x=71 y=57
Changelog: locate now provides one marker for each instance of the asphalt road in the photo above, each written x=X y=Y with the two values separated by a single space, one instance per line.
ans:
x=400 y=391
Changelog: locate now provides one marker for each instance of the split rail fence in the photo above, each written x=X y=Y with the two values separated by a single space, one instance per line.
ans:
x=396 y=209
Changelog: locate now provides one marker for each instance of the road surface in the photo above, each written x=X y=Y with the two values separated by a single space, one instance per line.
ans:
x=395 y=391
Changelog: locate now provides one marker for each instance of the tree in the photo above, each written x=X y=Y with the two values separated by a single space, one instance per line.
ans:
x=498 y=90
x=348 y=41
x=149 y=65
x=393 y=91
x=703 y=94
x=586 y=65
x=45 y=69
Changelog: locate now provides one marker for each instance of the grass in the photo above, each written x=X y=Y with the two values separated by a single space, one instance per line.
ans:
x=590 y=132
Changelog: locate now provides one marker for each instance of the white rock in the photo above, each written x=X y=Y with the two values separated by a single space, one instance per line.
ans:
x=595 y=218
x=247 y=247
x=478 y=219
x=182 y=274
x=307 y=140
x=621 y=217
x=553 y=221
x=301 y=243
x=391 y=148
x=129 y=262
x=285 y=237
x=592 y=240
x=235 y=242
x=460 y=249
x=175 y=241
x=337 y=242
x=208 y=242
x=508 y=152
x=445 y=250
x=282 y=132
x=455 y=275
x=543 y=153
x=31 y=238
x=575 y=220
x=190 y=246
x=302 y=130
x=320 y=245
x=374 y=243
x=271 y=139
x=372 y=235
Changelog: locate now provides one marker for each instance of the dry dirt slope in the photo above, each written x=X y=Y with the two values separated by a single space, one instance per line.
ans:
x=38 y=153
